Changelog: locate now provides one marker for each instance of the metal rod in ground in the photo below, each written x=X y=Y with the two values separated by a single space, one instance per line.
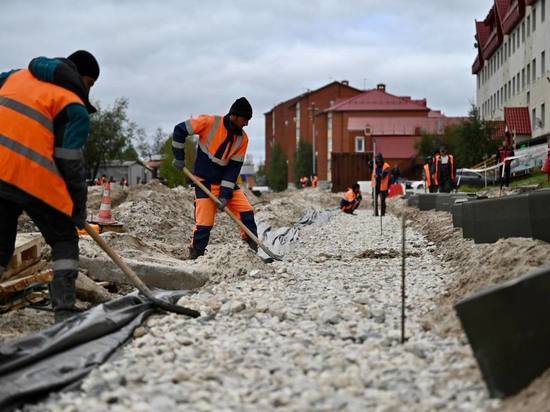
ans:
x=380 y=223
x=403 y=285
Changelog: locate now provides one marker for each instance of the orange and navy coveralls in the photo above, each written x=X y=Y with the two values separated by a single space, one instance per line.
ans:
x=350 y=201
x=44 y=122
x=220 y=156
x=380 y=183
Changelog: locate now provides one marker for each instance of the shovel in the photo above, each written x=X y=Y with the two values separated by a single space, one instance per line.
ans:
x=246 y=230
x=136 y=281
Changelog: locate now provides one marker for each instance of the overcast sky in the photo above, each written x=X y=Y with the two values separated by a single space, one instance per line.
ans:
x=176 y=58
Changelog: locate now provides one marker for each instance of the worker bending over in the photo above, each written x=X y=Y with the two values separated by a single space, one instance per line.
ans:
x=220 y=155
x=380 y=183
x=44 y=122
x=351 y=200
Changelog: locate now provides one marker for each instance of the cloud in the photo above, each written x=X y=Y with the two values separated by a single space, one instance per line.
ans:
x=173 y=59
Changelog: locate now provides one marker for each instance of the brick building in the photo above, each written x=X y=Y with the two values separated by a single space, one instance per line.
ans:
x=292 y=120
x=395 y=123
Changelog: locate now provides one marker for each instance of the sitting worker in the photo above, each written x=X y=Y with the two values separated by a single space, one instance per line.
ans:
x=44 y=123
x=220 y=155
x=351 y=200
x=380 y=183
x=303 y=181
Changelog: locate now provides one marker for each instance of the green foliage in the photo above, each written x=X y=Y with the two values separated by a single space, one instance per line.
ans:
x=469 y=142
x=172 y=176
x=110 y=135
x=277 y=173
x=261 y=175
x=303 y=163
x=129 y=153
x=147 y=147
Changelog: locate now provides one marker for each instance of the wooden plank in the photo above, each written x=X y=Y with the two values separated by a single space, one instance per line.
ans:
x=33 y=297
x=27 y=251
x=13 y=286
x=31 y=270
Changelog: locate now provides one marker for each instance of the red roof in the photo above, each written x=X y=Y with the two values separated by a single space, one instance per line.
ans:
x=378 y=100
x=517 y=120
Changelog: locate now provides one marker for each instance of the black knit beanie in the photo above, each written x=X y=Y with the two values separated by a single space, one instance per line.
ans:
x=86 y=64
x=241 y=107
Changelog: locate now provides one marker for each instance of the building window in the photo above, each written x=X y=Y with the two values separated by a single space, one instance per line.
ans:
x=517 y=38
x=502 y=96
x=528 y=25
x=514 y=86
x=529 y=74
x=534 y=67
x=297 y=118
x=534 y=119
x=542 y=11
x=542 y=64
x=523 y=79
x=513 y=42
x=534 y=19
x=517 y=83
x=523 y=31
x=528 y=98
x=359 y=144
x=542 y=115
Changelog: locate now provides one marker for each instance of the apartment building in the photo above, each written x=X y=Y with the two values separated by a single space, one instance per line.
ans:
x=512 y=68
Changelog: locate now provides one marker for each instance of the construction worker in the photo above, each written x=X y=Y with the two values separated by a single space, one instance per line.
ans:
x=505 y=150
x=314 y=180
x=444 y=175
x=303 y=182
x=44 y=122
x=351 y=200
x=427 y=175
x=220 y=155
x=380 y=183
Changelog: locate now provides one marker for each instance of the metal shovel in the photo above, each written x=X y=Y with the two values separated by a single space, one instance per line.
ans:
x=251 y=235
x=135 y=280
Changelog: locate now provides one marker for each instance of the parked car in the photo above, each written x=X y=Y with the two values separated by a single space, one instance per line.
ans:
x=466 y=177
x=414 y=185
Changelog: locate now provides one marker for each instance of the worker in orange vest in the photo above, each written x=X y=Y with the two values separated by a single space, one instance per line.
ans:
x=380 y=183
x=221 y=151
x=444 y=175
x=314 y=181
x=427 y=173
x=44 y=122
x=351 y=200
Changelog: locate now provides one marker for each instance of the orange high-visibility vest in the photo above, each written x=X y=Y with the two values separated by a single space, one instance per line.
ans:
x=428 y=174
x=212 y=133
x=28 y=108
x=384 y=182
x=451 y=165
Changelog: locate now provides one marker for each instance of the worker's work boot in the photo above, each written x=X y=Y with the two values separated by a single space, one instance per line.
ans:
x=195 y=253
x=62 y=294
x=251 y=244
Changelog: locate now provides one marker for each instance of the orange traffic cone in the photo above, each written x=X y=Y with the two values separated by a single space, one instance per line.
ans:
x=104 y=216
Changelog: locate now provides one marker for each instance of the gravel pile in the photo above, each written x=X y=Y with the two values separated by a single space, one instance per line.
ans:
x=318 y=331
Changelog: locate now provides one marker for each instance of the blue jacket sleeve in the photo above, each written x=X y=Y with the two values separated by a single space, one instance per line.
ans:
x=71 y=128
x=4 y=76
x=178 y=141
x=230 y=175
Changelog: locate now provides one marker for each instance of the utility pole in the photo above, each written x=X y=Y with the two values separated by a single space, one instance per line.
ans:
x=313 y=111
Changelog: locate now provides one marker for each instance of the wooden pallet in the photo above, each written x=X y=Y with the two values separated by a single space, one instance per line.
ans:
x=27 y=252
x=13 y=286
x=31 y=298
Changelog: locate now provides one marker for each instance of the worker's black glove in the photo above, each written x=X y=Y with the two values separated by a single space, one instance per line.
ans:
x=222 y=203
x=178 y=164
x=79 y=217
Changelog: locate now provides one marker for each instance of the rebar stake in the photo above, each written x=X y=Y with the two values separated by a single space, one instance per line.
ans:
x=403 y=295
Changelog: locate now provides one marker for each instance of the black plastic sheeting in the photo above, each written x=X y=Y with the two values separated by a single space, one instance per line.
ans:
x=278 y=240
x=35 y=365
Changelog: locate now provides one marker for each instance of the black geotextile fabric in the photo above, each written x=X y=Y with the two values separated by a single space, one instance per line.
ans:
x=278 y=240
x=55 y=357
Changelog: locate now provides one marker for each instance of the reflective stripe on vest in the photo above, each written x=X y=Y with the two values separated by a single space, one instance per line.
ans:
x=28 y=108
x=209 y=146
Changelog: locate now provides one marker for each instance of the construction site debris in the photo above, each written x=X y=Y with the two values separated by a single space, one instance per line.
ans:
x=26 y=253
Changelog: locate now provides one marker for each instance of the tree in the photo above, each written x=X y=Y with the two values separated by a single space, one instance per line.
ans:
x=278 y=169
x=173 y=176
x=110 y=134
x=303 y=162
x=261 y=175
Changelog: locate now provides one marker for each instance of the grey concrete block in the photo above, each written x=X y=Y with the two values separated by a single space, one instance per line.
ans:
x=153 y=274
x=539 y=212
x=502 y=217
x=412 y=201
x=507 y=327
x=442 y=202
x=426 y=201
x=468 y=220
